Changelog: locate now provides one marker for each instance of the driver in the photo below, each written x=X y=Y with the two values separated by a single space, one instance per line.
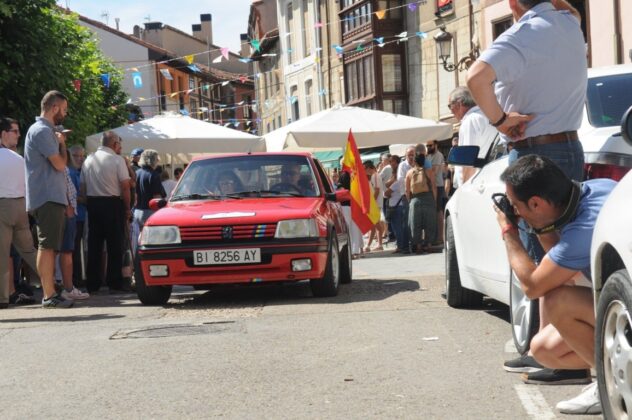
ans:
x=228 y=183
x=290 y=177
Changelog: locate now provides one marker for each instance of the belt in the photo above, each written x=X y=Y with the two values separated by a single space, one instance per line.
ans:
x=566 y=136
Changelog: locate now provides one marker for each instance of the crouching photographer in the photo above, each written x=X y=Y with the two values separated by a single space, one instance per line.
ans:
x=562 y=213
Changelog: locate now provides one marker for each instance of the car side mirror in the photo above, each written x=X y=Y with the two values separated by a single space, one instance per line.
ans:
x=157 y=203
x=465 y=156
x=626 y=126
x=339 y=196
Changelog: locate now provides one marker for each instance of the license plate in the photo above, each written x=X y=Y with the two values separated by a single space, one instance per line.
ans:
x=227 y=256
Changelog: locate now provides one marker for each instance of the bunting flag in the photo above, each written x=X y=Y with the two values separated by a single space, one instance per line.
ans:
x=240 y=103
x=105 y=78
x=318 y=25
x=243 y=79
x=359 y=48
x=381 y=45
x=225 y=83
x=339 y=49
x=137 y=79
x=245 y=59
x=184 y=112
x=194 y=68
x=255 y=44
x=289 y=50
x=166 y=74
x=380 y=14
x=206 y=87
x=379 y=40
x=217 y=59
x=189 y=58
x=77 y=84
x=269 y=55
x=402 y=35
x=364 y=210
x=322 y=92
x=412 y=6
x=421 y=35
x=173 y=95
x=225 y=51
x=134 y=69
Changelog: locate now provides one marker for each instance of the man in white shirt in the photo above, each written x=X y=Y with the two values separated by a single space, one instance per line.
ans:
x=475 y=129
x=106 y=182
x=14 y=222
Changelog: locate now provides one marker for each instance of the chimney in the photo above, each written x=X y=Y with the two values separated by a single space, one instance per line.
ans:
x=196 y=30
x=137 y=31
x=244 y=50
x=118 y=21
x=207 y=28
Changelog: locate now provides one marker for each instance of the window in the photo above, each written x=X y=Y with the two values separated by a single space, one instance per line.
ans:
x=500 y=26
x=370 y=75
x=395 y=106
x=308 y=98
x=360 y=78
x=289 y=21
x=392 y=72
x=246 y=106
x=394 y=6
x=191 y=83
x=307 y=29
x=294 y=103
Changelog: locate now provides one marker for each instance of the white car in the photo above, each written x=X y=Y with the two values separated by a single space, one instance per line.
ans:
x=611 y=265
x=476 y=259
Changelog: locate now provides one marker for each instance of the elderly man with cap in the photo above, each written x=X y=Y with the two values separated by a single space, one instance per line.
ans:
x=135 y=156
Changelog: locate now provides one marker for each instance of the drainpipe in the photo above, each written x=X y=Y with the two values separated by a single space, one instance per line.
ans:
x=617 y=32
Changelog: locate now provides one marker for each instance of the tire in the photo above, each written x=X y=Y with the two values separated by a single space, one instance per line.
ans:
x=327 y=286
x=613 y=346
x=524 y=314
x=149 y=295
x=456 y=295
x=346 y=263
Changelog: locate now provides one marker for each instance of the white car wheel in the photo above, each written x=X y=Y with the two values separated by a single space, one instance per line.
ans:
x=525 y=316
x=614 y=346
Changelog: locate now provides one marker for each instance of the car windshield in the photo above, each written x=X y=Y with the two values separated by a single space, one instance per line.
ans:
x=237 y=177
x=608 y=98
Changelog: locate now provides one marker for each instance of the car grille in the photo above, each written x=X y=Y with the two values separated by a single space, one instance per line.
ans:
x=221 y=233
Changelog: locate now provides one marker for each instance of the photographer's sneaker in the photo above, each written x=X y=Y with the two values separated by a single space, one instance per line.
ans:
x=548 y=376
x=75 y=294
x=522 y=364
x=585 y=403
x=57 y=302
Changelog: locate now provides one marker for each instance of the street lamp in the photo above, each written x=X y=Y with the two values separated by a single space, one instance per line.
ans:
x=444 y=46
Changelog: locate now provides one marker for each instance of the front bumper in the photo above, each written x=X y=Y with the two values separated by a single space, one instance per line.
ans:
x=276 y=263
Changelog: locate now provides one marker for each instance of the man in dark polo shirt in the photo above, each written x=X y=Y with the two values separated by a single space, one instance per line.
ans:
x=46 y=157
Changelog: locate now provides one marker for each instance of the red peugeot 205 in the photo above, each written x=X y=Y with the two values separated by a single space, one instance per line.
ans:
x=246 y=218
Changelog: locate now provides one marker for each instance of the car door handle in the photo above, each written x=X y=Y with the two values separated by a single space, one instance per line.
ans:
x=481 y=188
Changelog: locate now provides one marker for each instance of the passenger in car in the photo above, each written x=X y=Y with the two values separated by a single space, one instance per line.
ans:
x=228 y=183
x=563 y=214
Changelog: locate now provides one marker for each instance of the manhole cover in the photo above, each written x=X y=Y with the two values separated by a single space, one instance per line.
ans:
x=175 y=330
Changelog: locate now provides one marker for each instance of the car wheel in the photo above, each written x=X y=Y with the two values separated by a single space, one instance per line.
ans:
x=346 y=263
x=328 y=285
x=525 y=316
x=149 y=295
x=456 y=295
x=614 y=346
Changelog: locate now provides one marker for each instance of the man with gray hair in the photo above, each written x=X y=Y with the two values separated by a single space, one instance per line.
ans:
x=45 y=156
x=475 y=129
x=531 y=84
x=105 y=181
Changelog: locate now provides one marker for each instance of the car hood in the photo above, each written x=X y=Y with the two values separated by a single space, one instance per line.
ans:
x=235 y=211
x=604 y=139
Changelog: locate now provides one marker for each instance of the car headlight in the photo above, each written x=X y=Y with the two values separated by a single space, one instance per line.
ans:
x=296 y=228
x=160 y=235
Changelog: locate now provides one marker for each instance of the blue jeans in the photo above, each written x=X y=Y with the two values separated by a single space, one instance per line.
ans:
x=397 y=221
x=569 y=157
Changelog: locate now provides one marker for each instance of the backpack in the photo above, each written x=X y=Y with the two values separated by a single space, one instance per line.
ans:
x=419 y=181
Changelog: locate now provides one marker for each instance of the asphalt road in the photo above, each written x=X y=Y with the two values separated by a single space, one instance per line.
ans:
x=387 y=347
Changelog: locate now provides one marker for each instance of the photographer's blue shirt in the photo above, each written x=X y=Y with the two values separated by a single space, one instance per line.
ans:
x=573 y=249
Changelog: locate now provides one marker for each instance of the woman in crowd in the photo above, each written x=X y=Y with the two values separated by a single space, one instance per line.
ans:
x=420 y=193
x=378 y=192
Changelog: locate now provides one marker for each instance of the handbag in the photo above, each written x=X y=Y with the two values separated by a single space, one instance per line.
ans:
x=390 y=210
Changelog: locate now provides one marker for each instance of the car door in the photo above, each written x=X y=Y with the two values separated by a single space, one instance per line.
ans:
x=483 y=250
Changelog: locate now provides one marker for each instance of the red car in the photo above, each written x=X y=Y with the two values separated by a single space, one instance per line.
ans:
x=246 y=218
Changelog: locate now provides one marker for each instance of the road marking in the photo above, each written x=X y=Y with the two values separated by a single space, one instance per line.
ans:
x=510 y=347
x=533 y=402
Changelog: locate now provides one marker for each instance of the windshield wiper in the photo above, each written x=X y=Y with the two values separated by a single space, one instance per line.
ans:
x=194 y=196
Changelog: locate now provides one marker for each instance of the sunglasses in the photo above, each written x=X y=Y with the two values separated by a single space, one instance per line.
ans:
x=289 y=173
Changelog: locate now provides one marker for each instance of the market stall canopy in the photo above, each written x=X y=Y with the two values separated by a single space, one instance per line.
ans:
x=179 y=138
x=328 y=129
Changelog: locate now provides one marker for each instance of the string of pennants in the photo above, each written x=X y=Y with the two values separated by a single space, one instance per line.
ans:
x=362 y=44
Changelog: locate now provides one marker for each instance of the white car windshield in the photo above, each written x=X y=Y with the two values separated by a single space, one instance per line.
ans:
x=608 y=97
x=248 y=176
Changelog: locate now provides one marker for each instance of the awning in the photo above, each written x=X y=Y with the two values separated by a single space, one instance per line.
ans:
x=330 y=158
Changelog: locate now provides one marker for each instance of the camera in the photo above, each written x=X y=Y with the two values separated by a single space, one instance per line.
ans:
x=502 y=202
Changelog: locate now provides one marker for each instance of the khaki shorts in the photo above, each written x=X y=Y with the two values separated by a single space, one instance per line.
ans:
x=51 y=220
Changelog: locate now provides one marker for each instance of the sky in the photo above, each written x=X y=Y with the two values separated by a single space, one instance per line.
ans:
x=230 y=17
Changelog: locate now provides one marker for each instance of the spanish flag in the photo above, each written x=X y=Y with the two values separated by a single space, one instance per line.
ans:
x=364 y=210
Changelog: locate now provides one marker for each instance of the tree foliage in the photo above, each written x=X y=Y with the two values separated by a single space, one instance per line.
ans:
x=44 y=48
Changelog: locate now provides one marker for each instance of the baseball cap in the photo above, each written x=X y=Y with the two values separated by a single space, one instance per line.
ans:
x=136 y=152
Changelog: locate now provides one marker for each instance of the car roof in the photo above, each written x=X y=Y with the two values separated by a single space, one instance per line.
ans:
x=609 y=70
x=304 y=154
